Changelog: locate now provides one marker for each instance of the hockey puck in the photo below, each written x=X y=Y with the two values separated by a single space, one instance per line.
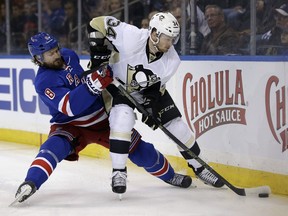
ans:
x=263 y=195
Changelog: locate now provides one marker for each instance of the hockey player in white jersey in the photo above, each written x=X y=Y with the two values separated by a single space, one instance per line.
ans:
x=144 y=60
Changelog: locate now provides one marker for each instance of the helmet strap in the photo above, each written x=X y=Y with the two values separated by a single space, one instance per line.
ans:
x=39 y=59
x=154 y=44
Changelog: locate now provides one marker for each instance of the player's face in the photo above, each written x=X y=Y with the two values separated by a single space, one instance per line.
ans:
x=165 y=42
x=281 y=21
x=214 y=18
x=52 y=59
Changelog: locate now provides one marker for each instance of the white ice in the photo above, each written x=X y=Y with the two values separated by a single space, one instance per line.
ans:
x=83 y=188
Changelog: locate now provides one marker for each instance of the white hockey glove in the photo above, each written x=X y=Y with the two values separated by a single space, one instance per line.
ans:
x=266 y=36
x=99 y=80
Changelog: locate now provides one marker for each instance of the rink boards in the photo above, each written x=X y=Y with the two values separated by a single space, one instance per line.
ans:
x=237 y=108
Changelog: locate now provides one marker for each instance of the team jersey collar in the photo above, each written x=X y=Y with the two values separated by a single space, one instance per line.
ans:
x=151 y=56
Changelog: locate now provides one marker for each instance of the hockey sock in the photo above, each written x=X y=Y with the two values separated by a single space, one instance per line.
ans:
x=119 y=153
x=161 y=169
x=194 y=164
x=121 y=170
x=54 y=150
x=146 y=156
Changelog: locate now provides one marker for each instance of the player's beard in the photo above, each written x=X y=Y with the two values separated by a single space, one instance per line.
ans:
x=56 y=64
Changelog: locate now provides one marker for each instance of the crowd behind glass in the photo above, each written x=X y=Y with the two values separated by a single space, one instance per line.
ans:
x=216 y=27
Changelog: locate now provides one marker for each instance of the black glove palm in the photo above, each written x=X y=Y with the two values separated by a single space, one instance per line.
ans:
x=99 y=55
x=151 y=96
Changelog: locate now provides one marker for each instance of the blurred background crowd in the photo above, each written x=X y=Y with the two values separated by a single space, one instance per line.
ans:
x=208 y=27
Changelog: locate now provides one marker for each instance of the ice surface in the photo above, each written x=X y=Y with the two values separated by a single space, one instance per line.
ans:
x=83 y=188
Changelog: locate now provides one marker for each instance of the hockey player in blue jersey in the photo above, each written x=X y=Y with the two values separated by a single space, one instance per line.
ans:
x=79 y=117
x=144 y=60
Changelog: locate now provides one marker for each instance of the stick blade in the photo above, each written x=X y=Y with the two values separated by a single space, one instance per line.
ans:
x=258 y=190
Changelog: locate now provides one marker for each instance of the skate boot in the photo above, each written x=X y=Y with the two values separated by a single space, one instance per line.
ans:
x=25 y=190
x=119 y=181
x=180 y=180
x=207 y=177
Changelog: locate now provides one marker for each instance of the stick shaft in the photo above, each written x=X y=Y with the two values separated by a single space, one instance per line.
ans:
x=239 y=191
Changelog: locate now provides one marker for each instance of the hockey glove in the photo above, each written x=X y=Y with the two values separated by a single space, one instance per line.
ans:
x=151 y=96
x=149 y=120
x=99 y=55
x=99 y=80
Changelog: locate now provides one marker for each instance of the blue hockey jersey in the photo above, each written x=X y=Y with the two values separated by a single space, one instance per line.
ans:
x=66 y=95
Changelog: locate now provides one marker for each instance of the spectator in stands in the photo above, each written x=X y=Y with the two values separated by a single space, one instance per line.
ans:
x=115 y=8
x=2 y=28
x=202 y=22
x=158 y=5
x=56 y=19
x=264 y=16
x=145 y=23
x=272 y=41
x=94 y=9
x=222 y=40
x=18 y=19
x=151 y=14
x=236 y=13
x=70 y=23
x=136 y=13
x=221 y=3
x=202 y=29
x=264 y=21
x=45 y=15
x=30 y=19
x=177 y=13
x=18 y=38
x=170 y=5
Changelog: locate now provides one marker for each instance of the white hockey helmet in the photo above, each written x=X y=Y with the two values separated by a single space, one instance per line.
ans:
x=165 y=23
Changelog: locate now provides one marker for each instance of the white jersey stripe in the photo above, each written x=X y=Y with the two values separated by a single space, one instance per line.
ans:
x=64 y=105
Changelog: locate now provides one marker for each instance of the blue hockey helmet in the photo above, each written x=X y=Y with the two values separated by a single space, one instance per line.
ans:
x=40 y=43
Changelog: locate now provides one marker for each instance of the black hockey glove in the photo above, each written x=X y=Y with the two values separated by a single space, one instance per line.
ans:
x=149 y=119
x=99 y=55
x=151 y=96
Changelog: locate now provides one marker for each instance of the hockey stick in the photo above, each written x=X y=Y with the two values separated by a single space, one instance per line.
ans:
x=262 y=191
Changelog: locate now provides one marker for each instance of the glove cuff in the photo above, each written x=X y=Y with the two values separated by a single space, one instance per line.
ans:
x=92 y=88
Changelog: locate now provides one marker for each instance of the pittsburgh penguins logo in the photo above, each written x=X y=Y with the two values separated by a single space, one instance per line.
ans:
x=140 y=78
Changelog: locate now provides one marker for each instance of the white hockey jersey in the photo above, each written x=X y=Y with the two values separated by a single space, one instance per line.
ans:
x=131 y=62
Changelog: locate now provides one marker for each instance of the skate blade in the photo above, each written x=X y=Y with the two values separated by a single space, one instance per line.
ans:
x=19 y=197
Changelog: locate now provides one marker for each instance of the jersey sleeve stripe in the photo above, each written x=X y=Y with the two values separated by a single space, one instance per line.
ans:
x=93 y=120
x=64 y=105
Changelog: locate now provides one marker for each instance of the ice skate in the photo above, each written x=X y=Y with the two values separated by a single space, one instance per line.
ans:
x=180 y=180
x=207 y=177
x=119 y=181
x=24 y=191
